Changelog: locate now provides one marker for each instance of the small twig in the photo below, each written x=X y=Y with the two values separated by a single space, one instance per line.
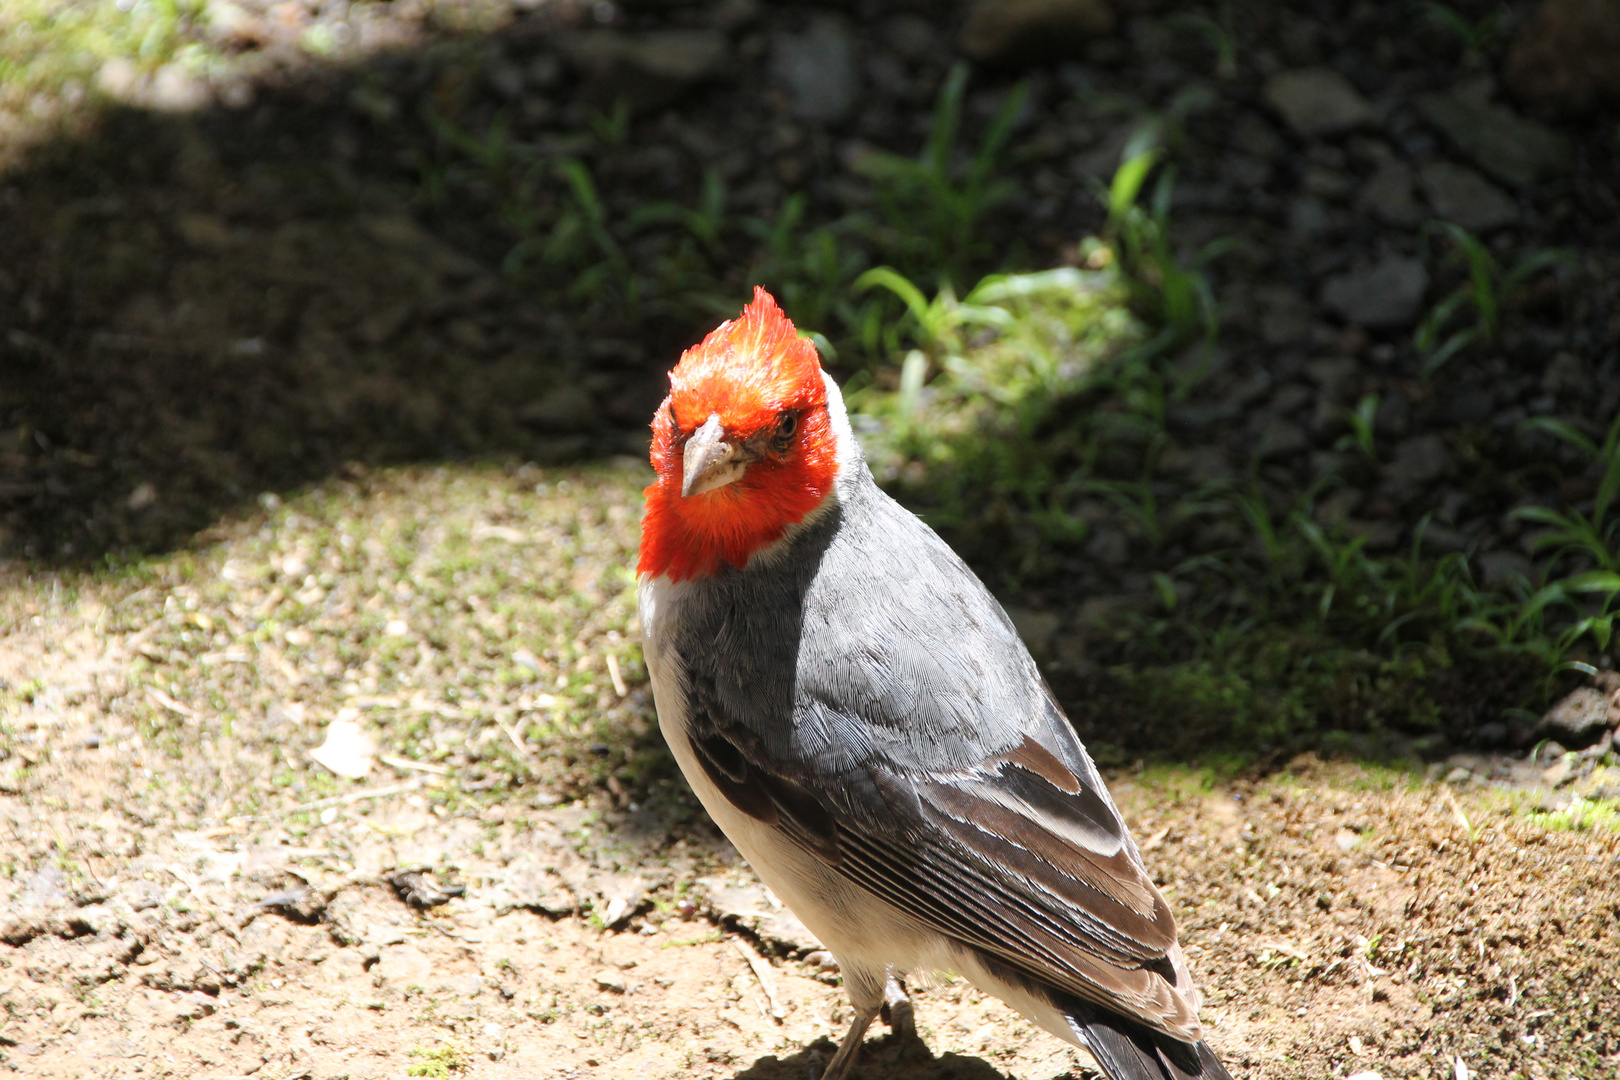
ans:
x=517 y=740
x=1457 y=812
x=767 y=978
x=169 y=703
x=354 y=797
x=617 y=677
x=414 y=766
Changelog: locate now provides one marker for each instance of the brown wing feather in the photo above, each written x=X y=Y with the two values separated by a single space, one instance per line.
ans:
x=1021 y=859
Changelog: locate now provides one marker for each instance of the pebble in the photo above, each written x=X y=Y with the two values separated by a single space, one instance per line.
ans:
x=1384 y=294
x=1516 y=151
x=647 y=70
x=1316 y=102
x=611 y=981
x=1388 y=195
x=818 y=70
x=1419 y=461
x=1282 y=439
x=1463 y=196
x=1578 y=717
x=1023 y=32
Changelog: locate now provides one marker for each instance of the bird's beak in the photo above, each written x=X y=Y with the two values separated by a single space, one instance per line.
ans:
x=709 y=461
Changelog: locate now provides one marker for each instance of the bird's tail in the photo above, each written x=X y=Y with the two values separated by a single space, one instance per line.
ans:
x=1128 y=1051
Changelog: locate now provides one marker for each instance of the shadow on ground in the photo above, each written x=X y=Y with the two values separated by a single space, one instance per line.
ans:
x=196 y=308
x=882 y=1058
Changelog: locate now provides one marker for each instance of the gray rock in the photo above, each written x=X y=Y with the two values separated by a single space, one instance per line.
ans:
x=1109 y=546
x=1387 y=195
x=1285 y=316
x=1394 y=415
x=1016 y=32
x=1282 y=439
x=913 y=37
x=1327 y=183
x=1385 y=294
x=818 y=69
x=1419 y=461
x=1467 y=198
x=1244 y=171
x=1579 y=717
x=1466 y=404
x=1514 y=150
x=1307 y=217
x=647 y=70
x=1317 y=102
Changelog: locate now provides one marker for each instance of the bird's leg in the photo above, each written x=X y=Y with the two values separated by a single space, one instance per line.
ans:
x=897 y=1010
x=845 y=1057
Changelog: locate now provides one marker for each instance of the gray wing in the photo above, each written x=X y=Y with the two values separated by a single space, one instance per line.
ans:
x=885 y=717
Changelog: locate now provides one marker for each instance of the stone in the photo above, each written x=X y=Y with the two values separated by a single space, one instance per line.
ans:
x=1381 y=295
x=1024 y=32
x=1419 y=462
x=1579 y=718
x=647 y=70
x=1282 y=439
x=1307 y=217
x=819 y=71
x=1463 y=196
x=1285 y=316
x=1514 y=150
x=1317 y=102
x=1388 y=195
x=1567 y=56
x=1466 y=404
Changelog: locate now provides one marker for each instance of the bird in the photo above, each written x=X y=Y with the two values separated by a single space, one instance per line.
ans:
x=858 y=715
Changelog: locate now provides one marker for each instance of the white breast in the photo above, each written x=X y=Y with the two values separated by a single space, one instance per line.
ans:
x=866 y=934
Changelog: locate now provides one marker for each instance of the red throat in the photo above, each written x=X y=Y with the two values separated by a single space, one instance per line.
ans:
x=749 y=372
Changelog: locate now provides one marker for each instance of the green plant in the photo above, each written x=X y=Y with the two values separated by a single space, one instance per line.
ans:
x=932 y=205
x=1594 y=535
x=1216 y=33
x=1175 y=296
x=440 y=1063
x=1362 y=429
x=1487 y=290
x=1476 y=37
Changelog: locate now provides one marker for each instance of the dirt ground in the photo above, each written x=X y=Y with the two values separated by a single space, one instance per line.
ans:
x=188 y=894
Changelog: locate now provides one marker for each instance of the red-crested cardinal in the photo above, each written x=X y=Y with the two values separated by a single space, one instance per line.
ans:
x=859 y=716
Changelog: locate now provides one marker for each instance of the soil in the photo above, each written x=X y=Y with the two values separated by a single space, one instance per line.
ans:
x=225 y=328
x=188 y=894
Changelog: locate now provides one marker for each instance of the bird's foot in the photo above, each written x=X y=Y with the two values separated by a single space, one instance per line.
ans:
x=897 y=1010
x=844 y=1059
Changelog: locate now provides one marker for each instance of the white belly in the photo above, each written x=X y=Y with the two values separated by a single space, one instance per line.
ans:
x=870 y=937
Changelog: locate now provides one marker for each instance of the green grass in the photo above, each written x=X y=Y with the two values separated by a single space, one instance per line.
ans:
x=439 y=1063
x=1030 y=412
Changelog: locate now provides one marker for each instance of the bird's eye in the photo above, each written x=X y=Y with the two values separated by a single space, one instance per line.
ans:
x=786 y=425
